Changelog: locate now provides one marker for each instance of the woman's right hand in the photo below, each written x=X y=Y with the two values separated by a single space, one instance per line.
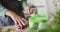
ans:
x=19 y=21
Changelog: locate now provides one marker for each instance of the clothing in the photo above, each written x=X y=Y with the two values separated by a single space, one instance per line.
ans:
x=5 y=21
x=12 y=5
x=2 y=10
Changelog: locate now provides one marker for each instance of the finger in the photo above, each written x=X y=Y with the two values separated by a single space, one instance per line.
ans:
x=14 y=21
x=31 y=11
x=19 y=23
x=22 y=22
x=18 y=26
x=25 y=20
x=28 y=10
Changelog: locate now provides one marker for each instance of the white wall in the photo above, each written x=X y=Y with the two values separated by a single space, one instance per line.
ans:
x=58 y=3
x=48 y=6
x=40 y=10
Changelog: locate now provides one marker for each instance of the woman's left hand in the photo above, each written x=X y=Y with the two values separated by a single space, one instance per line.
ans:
x=28 y=10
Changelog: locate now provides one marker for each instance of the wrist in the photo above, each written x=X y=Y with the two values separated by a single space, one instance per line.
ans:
x=9 y=13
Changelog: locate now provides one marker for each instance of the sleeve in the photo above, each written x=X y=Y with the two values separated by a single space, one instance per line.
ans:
x=2 y=10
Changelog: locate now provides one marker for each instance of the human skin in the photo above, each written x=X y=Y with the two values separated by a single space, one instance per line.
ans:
x=18 y=19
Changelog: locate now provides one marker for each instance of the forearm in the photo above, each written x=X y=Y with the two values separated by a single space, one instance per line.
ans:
x=9 y=13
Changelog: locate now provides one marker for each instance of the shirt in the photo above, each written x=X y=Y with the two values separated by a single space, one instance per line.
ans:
x=3 y=9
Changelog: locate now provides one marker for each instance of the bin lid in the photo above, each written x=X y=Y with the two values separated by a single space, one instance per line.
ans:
x=38 y=18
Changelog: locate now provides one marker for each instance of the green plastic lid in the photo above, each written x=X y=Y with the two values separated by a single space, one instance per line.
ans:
x=38 y=18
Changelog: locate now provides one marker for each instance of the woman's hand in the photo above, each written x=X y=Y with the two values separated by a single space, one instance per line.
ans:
x=19 y=21
x=28 y=10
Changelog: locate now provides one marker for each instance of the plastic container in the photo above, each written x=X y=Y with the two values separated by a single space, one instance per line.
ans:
x=37 y=21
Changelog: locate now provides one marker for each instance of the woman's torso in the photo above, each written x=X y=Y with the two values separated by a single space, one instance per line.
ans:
x=13 y=5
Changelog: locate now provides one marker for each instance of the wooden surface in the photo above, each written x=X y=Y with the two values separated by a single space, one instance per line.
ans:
x=3 y=29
